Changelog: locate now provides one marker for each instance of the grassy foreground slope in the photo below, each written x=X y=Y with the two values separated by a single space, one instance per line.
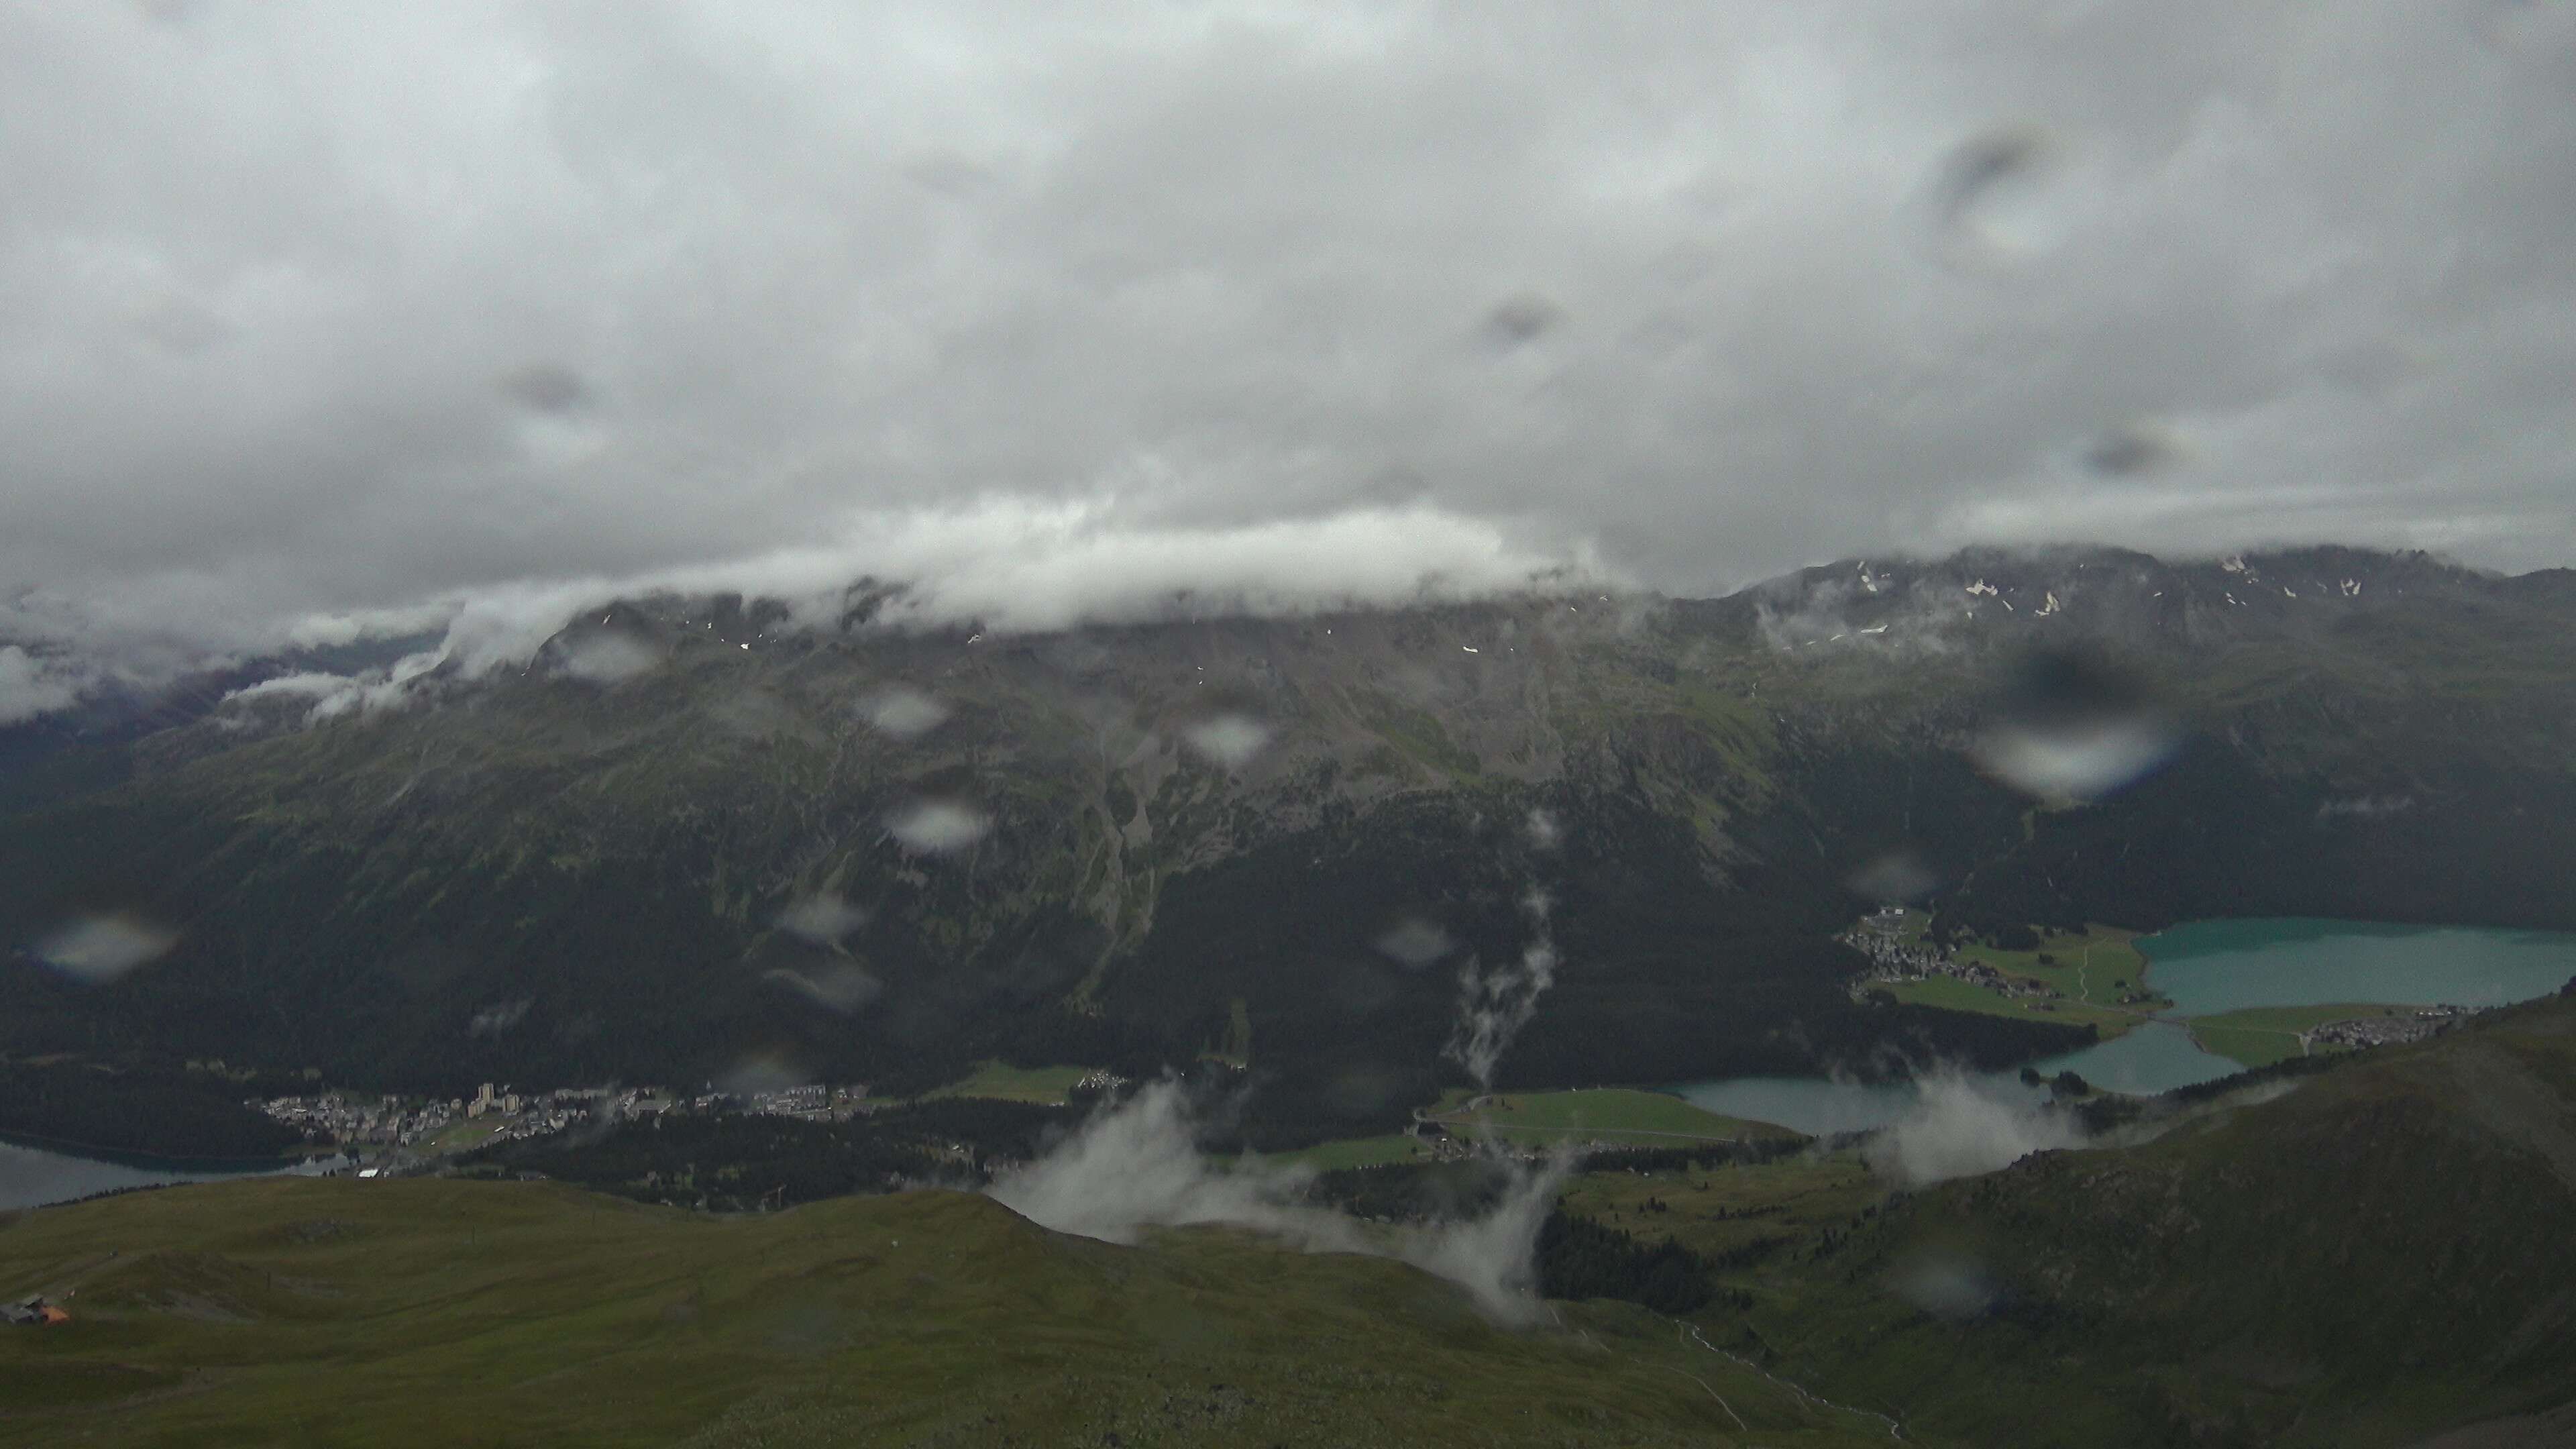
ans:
x=2387 y=1251
x=460 y=1313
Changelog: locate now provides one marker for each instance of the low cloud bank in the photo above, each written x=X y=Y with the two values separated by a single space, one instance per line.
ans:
x=32 y=686
x=1959 y=1129
x=1137 y=1166
x=1003 y=565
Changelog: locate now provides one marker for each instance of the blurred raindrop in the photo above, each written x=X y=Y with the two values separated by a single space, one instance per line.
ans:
x=2073 y=727
x=1414 y=943
x=1229 y=739
x=547 y=388
x=938 y=826
x=1517 y=321
x=843 y=988
x=2001 y=196
x=604 y=653
x=822 y=918
x=1947 y=1286
x=1899 y=876
x=2132 y=450
x=761 y=1073
x=95 y=950
x=905 y=714
x=1541 y=827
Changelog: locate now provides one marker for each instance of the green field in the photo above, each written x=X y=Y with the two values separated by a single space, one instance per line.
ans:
x=1355 y=1152
x=462 y=1136
x=2089 y=970
x=2085 y=967
x=2261 y=1035
x=1622 y=1115
x=1952 y=994
x=1046 y=1086
x=1718 y=1210
x=446 y=1312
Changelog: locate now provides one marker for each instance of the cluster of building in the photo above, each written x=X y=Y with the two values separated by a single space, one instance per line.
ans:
x=812 y=1102
x=2369 y=1031
x=1880 y=937
x=414 y=1122
x=356 y=1121
x=400 y=1126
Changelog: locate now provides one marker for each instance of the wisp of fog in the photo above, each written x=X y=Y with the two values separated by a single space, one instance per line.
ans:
x=1136 y=1165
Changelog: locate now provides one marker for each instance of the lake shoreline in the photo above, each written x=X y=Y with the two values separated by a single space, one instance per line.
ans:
x=150 y=1161
x=2208 y=969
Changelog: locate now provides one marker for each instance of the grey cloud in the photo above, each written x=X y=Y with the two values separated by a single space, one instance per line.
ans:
x=32 y=686
x=336 y=309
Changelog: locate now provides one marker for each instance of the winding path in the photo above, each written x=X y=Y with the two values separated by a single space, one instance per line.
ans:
x=1893 y=1430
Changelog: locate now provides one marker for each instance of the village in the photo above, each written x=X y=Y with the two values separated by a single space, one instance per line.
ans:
x=1883 y=937
x=2371 y=1031
x=396 y=1134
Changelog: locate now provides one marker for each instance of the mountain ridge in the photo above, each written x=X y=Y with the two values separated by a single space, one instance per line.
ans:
x=1101 y=845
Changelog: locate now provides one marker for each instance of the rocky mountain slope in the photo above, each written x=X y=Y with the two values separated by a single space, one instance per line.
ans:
x=693 y=836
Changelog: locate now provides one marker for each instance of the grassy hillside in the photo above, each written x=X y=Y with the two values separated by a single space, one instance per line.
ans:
x=439 y=1312
x=2383 y=1252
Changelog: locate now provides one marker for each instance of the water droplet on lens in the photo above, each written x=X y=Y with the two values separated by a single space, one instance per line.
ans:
x=842 y=988
x=608 y=652
x=547 y=388
x=1899 y=875
x=2002 y=196
x=1947 y=1286
x=823 y=918
x=2072 y=727
x=904 y=713
x=762 y=1072
x=1414 y=943
x=1230 y=740
x=95 y=950
x=1541 y=828
x=938 y=827
x=1520 y=320
x=2133 y=449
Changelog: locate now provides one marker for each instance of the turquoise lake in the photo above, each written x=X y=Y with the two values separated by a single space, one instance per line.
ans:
x=2207 y=967
x=2212 y=966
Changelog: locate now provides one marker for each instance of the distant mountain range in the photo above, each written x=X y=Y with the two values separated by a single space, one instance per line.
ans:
x=688 y=840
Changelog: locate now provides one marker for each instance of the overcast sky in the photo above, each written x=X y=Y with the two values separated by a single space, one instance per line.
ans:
x=350 y=306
